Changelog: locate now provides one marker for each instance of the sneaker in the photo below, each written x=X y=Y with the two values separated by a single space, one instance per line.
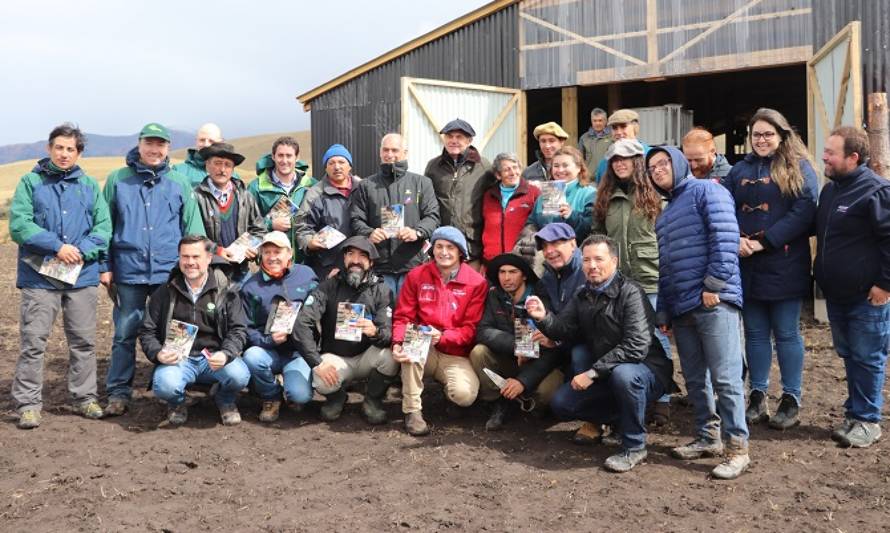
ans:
x=698 y=448
x=612 y=438
x=862 y=434
x=661 y=414
x=758 y=410
x=270 y=411
x=177 y=415
x=588 y=433
x=625 y=461
x=415 y=425
x=333 y=405
x=29 y=419
x=498 y=416
x=229 y=414
x=732 y=467
x=787 y=414
x=89 y=409
x=840 y=431
x=116 y=407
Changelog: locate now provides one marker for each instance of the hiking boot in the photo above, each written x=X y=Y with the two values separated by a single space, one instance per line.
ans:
x=415 y=425
x=758 y=410
x=499 y=413
x=588 y=433
x=862 y=434
x=733 y=466
x=270 y=410
x=612 y=438
x=661 y=413
x=375 y=391
x=333 y=405
x=89 y=409
x=29 y=419
x=625 y=460
x=839 y=433
x=787 y=414
x=177 y=415
x=229 y=414
x=698 y=448
x=115 y=407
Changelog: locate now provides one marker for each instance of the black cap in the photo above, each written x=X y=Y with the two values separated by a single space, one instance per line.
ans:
x=361 y=243
x=459 y=125
x=491 y=270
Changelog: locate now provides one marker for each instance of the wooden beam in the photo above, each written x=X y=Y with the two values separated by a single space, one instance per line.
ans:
x=505 y=111
x=819 y=102
x=426 y=112
x=842 y=92
x=522 y=119
x=613 y=98
x=652 y=30
x=878 y=131
x=569 y=120
x=856 y=72
x=573 y=35
x=714 y=27
x=459 y=85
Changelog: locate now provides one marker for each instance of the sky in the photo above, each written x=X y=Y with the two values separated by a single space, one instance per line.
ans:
x=111 y=66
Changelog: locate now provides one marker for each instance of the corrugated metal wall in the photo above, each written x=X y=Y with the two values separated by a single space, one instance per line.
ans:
x=359 y=112
x=830 y=16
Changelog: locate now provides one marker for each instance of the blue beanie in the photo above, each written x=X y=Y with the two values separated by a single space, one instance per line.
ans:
x=336 y=150
x=452 y=235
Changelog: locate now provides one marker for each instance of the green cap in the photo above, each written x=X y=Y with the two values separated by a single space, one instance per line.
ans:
x=153 y=129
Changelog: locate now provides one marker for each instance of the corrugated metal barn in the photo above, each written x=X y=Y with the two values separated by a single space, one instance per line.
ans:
x=510 y=65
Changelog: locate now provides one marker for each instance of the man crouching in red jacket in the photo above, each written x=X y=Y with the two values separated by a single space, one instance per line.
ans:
x=444 y=298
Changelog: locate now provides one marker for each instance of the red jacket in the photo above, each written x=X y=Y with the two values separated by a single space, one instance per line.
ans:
x=501 y=227
x=454 y=308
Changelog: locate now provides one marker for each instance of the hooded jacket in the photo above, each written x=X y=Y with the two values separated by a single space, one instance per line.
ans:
x=853 y=236
x=501 y=226
x=323 y=205
x=50 y=209
x=321 y=308
x=267 y=194
x=698 y=243
x=537 y=171
x=720 y=170
x=249 y=218
x=782 y=270
x=193 y=167
x=395 y=185
x=151 y=209
x=459 y=188
x=261 y=293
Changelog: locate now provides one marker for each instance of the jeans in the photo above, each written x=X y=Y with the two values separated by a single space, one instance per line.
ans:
x=620 y=401
x=394 y=282
x=861 y=334
x=170 y=381
x=129 y=309
x=709 y=345
x=264 y=364
x=663 y=339
x=763 y=321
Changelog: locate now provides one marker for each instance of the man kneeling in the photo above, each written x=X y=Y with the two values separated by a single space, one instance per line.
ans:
x=512 y=282
x=195 y=307
x=354 y=309
x=630 y=368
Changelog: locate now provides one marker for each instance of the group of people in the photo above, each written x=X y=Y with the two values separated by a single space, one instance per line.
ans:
x=467 y=274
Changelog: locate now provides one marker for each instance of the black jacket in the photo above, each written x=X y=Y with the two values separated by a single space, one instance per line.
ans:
x=321 y=308
x=395 y=185
x=217 y=309
x=853 y=236
x=496 y=331
x=617 y=326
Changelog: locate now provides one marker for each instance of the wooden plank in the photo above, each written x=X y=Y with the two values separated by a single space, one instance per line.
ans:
x=842 y=91
x=613 y=98
x=461 y=85
x=829 y=46
x=652 y=30
x=878 y=131
x=714 y=27
x=856 y=70
x=819 y=101
x=523 y=129
x=426 y=112
x=563 y=31
x=505 y=111
x=569 y=120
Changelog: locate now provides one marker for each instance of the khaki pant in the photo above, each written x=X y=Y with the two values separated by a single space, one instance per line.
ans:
x=358 y=367
x=508 y=367
x=455 y=373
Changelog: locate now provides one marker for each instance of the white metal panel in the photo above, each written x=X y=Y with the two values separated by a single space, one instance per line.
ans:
x=665 y=124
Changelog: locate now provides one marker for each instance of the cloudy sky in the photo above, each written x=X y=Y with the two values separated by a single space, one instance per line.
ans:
x=112 y=66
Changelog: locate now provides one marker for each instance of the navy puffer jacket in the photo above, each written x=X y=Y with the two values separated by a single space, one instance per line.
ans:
x=698 y=243
x=781 y=224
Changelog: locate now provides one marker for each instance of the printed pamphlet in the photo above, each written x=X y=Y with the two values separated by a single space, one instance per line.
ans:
x=285 y=316
x=329 y=236
x=416 y=345
x=392 y=219
x=53 y=267
x=348 y=315
x=283 y=208
x=180 y=337
x=238 y=249
x=523 y=329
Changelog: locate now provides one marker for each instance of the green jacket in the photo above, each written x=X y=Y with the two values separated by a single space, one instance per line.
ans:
x=192 y=168
x=268 y=193
x=594 y=148
x=635 y=236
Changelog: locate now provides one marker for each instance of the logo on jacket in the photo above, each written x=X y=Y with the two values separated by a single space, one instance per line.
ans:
x=842 y=208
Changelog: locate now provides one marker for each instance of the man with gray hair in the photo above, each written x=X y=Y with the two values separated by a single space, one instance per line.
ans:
x=193 y=166
x=595 y=141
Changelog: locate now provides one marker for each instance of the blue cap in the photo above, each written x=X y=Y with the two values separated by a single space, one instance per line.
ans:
x=453 y=235
x=555 y=231
x=334 y=151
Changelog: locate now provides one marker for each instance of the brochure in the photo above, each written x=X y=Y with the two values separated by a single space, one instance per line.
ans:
x=283 y=208
x=180 y=337
x=416 y=345
x=238 y=249
x=525 y=346
x=53 y=267
x=329 y=236
x=553 y=194
x=284 y=317
x=348 y=315
x=392 y=219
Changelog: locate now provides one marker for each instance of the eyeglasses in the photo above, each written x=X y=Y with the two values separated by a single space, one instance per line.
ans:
x=765 y=135
x=661 y=165
x=764 y=180
x=751 y=208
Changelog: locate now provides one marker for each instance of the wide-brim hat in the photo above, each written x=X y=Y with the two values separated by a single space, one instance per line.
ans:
x=221 y=149
x=491 y=270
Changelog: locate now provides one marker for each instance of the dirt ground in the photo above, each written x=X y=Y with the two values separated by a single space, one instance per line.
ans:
x=300 y=474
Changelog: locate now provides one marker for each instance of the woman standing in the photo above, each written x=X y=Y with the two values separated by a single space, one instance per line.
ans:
x=626 y=207
x=506 y=207
x=775 y=189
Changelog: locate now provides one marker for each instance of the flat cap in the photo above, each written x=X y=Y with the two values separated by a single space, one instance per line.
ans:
x=624 y=116
x=624 y=148
x=459 y=125
x=551 y=128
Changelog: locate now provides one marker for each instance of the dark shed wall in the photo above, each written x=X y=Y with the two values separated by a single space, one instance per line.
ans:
x=830 y=16
x=359 y=112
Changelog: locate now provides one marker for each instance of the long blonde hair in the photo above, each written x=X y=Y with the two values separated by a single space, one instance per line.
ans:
x=785 y=167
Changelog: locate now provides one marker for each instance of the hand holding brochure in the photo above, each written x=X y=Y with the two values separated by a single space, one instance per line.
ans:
x=348 y=315
x=283 y=208
x=284 y=317
x=416 y=345
x=180 y=337
x=53 y=267
x=392 y=219
x=329 y=236
x=239 y=247
x=525 y=346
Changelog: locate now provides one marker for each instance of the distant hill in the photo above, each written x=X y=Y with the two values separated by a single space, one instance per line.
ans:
x=254 y=147
x=97 y=146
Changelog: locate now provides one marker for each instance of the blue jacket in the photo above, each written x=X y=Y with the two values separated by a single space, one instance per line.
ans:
x=698 y=243
x=151 y=209
x=853 y=236
x=50 y=209
x=260 y=292
x=560 y=286
x=782 y=270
